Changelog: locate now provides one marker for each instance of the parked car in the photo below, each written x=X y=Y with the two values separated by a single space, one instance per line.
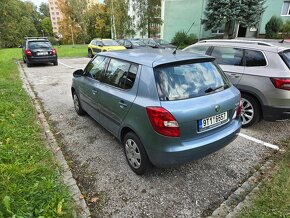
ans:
x=132 y=43
x=259 y=70
x=159 y=43
x=166 y=109
x=38 y=50
x=101 y=45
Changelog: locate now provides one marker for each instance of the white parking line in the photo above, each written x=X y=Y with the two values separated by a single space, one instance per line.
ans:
x=65 y=65
x=275 y=147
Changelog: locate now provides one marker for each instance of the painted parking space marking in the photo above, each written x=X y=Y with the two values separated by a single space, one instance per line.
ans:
x=65 y=65
x=275 y=147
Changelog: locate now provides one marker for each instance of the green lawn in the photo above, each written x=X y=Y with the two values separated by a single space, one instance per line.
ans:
x=72 y=51
x=29 y=179
x=273 y=199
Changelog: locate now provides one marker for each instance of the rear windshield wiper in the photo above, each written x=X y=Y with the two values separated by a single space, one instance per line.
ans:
x=209 y=90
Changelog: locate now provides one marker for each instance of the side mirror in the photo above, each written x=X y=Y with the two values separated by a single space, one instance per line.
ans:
x=100 y=45
x=78 y=73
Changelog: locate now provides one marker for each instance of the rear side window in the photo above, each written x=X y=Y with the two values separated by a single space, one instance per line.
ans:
x=120 y=74
x=39 y=44
x=197 y=49
x=189 y=80
x=228 y=56
x=255 y=58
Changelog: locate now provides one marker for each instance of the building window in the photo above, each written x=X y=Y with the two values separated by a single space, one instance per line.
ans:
x=52 y=13
x=286 y=8
x=57 y=13
x=51 y=8
x=53 y=18
x=58 y=18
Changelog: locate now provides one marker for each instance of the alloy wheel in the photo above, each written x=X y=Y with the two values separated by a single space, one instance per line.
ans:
x=247 y=113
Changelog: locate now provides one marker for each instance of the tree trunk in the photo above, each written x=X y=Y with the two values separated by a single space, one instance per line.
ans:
x=227 y=30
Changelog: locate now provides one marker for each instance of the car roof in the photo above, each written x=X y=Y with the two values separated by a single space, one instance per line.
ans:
x=249 y=44
x=36 y=39
x=154 y=57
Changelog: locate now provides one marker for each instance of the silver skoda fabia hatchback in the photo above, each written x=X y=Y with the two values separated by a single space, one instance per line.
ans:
x=166 y=109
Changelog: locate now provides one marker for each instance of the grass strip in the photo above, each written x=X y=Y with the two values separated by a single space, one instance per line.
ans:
x=72 y=51
x=273 y=199
x=29 y=178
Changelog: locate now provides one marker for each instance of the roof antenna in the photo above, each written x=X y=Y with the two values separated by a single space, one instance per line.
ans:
x=174 y=52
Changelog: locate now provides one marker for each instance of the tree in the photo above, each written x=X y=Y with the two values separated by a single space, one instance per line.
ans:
x=103 y=28
x=286 y=29
x=73 y=22
x=148 y=13
x=231 y=13
x=46 y=26
x=44 y=9
x=274 y=25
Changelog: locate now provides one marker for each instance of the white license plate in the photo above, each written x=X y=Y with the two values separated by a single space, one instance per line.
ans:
x=42 y=53
x=213 y=121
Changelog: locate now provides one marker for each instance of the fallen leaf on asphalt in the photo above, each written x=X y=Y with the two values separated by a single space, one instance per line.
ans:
x=57 y=149
x=94 y=200
x=82 y=197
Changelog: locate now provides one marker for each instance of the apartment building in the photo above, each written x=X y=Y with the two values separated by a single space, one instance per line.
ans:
x=56 y=16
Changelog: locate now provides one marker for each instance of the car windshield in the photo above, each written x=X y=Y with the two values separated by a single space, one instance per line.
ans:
x=189 y=80
x=110 y=43
x=162 y=42
x=286 y=57
x=39 y=44
x=138 y=42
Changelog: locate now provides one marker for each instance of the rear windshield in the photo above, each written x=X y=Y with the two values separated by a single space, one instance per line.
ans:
x=189 y=80
x=39 y=44
x=286 y=57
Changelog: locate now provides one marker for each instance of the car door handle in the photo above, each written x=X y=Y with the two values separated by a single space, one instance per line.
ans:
x=234 y=75
x=122 y=104
x=94 y=91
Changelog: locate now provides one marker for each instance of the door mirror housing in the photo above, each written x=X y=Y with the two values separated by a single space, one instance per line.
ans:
x=78 y=73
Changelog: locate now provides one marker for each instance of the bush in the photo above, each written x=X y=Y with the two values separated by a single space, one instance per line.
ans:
x=286 y=29
x=181 y=39
x=273 y=27
x=53 y=40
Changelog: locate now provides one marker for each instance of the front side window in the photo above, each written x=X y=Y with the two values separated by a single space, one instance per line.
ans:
x=110 y=43
x=120 y=74
x=228 y=56
x=197 y=49
x=189 y=80
x=96 y=67
x=286 y=8
x=255 y=58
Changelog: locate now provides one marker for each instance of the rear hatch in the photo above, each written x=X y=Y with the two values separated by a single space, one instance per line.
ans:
x=40 y=48
x=198 y=95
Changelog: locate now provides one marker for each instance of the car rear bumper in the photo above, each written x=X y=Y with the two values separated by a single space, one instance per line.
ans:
x=276 y=113
x=42 y=59
x=194 y=149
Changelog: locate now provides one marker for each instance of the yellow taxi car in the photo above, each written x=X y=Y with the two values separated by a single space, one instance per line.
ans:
x=100 y=45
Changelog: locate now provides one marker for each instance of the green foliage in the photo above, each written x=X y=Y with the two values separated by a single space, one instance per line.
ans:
x=148 y=15
x=274 y=25
x=29 y=179
x=44 y=9
x=17 y=20
x=229 y=12
x=181 y=39
x=286 y=29
x=46 y=26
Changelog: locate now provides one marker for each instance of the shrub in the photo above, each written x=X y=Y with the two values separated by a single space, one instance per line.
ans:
x=181 y=39
x=286 y=29
x=273 y=27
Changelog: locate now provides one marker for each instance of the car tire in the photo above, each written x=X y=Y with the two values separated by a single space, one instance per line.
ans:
x=135 y=154
x=28 y=64
x=55 y=63
x=90 y=53
x=251 y=111
x=77 y=105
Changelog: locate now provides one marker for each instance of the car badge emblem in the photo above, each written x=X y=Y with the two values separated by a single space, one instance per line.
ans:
x=217 y=108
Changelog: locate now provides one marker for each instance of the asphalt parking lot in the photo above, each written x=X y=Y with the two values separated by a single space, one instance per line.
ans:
x=99 y=165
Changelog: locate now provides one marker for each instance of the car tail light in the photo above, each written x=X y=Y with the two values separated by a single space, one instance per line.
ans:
x=54 y=51
x=281 y=83
x=238 y=110
x=28 y=52
x=163 y=122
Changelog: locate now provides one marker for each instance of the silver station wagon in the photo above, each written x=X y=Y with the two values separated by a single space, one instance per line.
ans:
x=166 y=109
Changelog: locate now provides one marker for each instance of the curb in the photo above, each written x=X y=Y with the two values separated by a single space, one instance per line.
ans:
x=82 y=209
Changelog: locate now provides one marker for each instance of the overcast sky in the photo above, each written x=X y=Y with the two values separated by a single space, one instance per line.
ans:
x=37 y=2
